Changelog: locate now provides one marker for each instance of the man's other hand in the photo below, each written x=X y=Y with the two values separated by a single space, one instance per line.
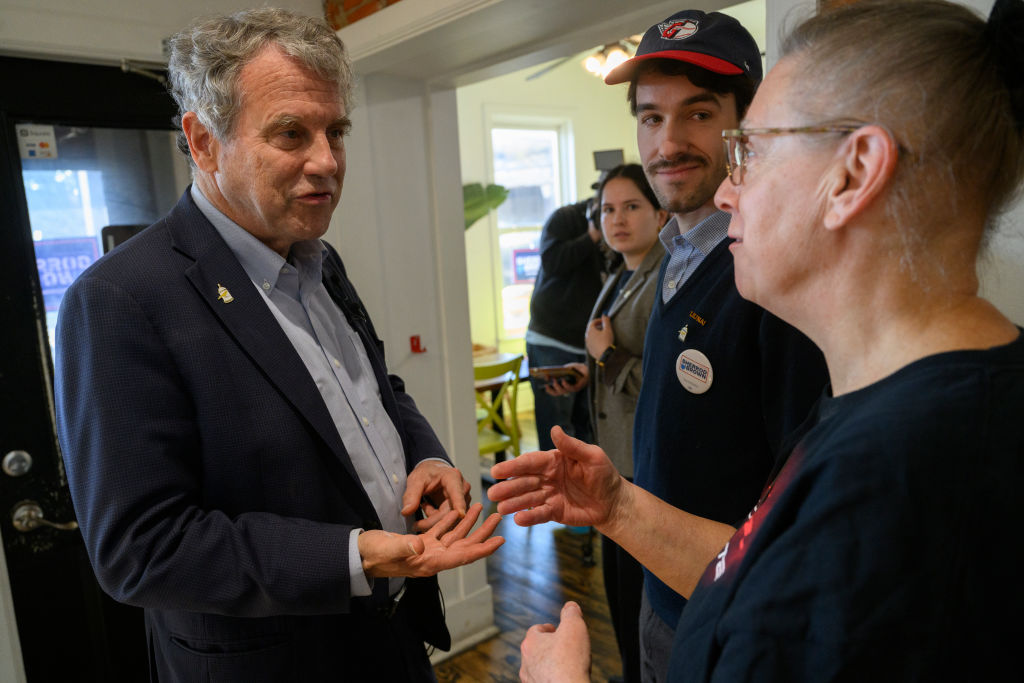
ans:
x=436 y=488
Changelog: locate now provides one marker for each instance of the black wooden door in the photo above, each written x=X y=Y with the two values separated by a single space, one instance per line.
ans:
x=81 y=147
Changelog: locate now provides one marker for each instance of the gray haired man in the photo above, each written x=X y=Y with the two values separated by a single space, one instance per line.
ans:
x=243 y=466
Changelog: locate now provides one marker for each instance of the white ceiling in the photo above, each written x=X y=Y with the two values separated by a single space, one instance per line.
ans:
x=458 y=42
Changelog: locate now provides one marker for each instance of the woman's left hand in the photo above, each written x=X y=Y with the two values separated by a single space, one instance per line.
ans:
x=599 y=336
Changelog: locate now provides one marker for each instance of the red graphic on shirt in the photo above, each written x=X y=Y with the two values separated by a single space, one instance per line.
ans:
x=732 y=554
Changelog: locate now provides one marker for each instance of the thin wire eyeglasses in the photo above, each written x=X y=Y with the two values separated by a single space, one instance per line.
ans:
x=737 y=152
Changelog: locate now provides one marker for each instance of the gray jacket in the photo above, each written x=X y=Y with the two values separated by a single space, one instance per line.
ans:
x=615 y=387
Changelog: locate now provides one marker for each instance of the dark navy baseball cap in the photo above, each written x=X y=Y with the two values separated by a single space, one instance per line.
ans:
x=710 y=40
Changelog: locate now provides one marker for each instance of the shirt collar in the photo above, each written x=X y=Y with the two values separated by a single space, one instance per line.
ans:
x=704 y=236
x=261 y=263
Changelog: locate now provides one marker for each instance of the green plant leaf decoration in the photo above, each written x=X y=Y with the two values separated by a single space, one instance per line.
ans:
x=478 y=201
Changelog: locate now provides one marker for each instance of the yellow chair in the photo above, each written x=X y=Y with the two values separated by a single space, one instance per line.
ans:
x=497 y=385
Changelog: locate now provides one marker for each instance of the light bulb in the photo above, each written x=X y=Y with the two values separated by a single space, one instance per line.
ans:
x=618 y=55
x=594 y=63
x=615 y=57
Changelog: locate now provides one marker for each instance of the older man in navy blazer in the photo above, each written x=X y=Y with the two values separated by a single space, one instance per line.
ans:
x=241 y=463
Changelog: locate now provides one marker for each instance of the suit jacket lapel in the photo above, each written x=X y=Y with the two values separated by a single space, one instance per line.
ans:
x=247 y=319
x=647 y=266
x=606 y=291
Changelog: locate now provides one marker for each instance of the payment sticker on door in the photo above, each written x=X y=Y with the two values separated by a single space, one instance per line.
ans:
x=36 y=141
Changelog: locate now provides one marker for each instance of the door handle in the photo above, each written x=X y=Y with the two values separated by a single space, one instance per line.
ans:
x=28 y=516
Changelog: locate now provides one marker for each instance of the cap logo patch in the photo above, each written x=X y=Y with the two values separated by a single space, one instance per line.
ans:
x=678 y=30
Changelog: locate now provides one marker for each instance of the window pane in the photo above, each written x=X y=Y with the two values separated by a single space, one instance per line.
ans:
x=520 y=256
x=526 y=162
x=520 y=259
x=95 y=177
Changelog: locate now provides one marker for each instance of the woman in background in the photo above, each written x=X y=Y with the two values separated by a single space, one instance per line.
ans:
x=630 y=222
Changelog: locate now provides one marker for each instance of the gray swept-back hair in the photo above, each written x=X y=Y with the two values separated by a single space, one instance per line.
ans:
x=207 y=59
x=927 y=71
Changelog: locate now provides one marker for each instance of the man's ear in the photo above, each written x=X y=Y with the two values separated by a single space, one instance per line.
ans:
x=201 y=142
x=867 y=163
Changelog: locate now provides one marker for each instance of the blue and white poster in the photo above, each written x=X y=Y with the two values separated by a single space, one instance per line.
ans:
x=59 y=262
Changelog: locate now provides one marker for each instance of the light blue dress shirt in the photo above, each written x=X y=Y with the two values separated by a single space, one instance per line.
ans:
x=336 y=360
x=689 y=250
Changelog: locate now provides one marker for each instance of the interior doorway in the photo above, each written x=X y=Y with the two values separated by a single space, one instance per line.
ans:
x=583 y=116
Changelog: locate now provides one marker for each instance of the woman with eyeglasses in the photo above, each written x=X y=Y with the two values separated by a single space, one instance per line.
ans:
x=872 y=161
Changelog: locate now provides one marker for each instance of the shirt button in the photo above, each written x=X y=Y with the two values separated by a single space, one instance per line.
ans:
x=394 y=477
x=366 y=422
x=266 y=285
x=671 y=285
x=337 y=363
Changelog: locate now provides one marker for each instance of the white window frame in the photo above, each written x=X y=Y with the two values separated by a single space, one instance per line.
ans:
x=559 y=121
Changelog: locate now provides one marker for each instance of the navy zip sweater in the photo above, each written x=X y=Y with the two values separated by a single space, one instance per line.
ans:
x=710 y=454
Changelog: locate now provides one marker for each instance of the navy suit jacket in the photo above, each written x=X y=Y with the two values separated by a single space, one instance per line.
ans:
x=210 y=483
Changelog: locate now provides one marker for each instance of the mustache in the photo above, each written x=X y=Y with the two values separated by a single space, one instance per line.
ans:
x=681 y=160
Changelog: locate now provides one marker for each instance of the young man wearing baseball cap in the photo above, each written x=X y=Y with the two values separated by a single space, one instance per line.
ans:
x=724 y=381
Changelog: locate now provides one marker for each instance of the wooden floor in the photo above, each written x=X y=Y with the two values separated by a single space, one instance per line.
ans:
x=532 y=575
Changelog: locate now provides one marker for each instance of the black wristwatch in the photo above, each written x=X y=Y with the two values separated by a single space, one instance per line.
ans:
x=606 y=355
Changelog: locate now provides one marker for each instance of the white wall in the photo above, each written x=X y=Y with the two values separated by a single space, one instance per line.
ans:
x=399 y=230
x=1002 y=266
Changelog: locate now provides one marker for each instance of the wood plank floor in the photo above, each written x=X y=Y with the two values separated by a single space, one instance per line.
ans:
x=532 y=575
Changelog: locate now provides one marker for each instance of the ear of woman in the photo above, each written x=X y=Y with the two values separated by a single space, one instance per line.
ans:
x=868 y=160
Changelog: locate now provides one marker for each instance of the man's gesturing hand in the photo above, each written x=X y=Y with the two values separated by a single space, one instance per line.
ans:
x=575 y=484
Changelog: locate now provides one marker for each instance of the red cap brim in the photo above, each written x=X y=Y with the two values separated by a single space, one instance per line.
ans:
x=624 y=72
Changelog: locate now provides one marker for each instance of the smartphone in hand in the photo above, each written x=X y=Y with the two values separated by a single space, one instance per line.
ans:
x=550 y=373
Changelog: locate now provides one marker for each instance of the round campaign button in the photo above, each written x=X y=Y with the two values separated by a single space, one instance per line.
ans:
x=694 y=371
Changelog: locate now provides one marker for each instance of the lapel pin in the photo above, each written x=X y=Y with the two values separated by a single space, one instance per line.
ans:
x=682 y=333
x=223 y=294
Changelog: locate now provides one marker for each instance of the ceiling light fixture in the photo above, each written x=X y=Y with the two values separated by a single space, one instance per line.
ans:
x=608 y=57
x=615 y=56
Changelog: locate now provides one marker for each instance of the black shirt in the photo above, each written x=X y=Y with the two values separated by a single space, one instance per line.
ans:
x=889 y=546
